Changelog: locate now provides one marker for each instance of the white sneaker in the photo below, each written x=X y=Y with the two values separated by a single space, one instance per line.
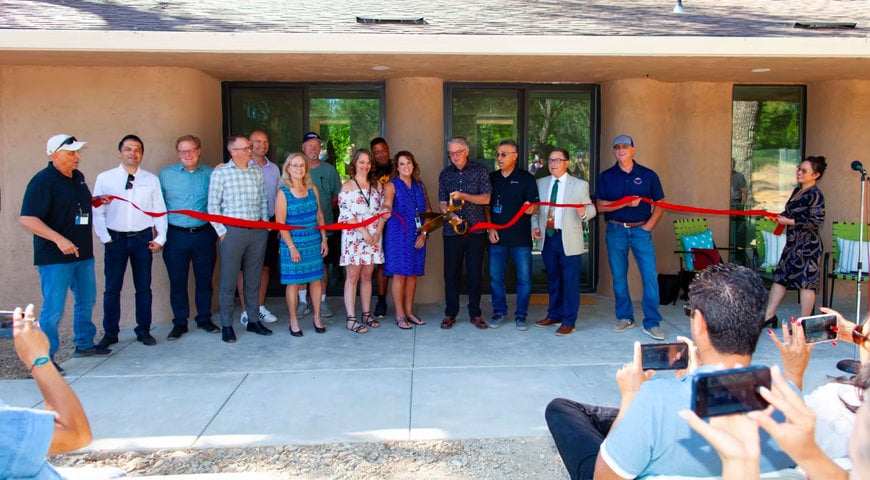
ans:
x=244 y=319
x=325 y=311
x=302 y=309
x=266 y=315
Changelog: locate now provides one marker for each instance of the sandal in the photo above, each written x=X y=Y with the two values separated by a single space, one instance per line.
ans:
x=402 y=323
x=369 y=320
x=415 y=320
x=355 y=326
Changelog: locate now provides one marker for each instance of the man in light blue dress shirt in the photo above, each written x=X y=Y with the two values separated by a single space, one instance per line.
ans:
x=188 y=240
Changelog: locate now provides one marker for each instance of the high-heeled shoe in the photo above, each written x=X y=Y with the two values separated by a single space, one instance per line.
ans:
x=295 y=333
x=319 y=329
x=773 y=322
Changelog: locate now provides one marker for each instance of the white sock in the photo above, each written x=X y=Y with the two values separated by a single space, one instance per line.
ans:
x=302 y=294
x=323 y=298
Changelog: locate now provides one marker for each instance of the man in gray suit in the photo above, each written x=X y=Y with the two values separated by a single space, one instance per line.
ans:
x=562 y=243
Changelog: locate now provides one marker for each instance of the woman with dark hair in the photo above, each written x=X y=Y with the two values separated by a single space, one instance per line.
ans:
x=800 y=264
x=360 y=198
x=406 y=196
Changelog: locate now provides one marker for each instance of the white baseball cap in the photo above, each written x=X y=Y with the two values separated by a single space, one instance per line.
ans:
x=62 y=142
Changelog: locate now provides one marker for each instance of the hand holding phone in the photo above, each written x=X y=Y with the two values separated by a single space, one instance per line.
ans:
x=665 y=356
x=724 y=392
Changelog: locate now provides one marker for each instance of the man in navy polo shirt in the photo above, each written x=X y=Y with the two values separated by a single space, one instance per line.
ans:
x=628 y=227
x=57 y=210
x=512 y=188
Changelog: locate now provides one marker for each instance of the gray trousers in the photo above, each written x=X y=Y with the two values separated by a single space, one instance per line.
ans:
x=242 y=249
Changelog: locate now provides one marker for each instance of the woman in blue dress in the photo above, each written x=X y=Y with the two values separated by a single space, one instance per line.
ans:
x=301 y=251
x=405 y=196
x=800 y=264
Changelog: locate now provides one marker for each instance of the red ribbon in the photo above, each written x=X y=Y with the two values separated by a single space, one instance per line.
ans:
x=238 y=222
x=629 y=199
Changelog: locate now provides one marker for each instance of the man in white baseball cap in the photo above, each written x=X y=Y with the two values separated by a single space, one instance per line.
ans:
x=57 y=210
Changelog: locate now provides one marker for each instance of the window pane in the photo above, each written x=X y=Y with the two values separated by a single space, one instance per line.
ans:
x=766 y=146
x=275 y=110
x=485 y=117
x=346 y=120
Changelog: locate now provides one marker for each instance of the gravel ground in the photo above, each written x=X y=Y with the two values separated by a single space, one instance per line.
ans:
x=523 y=458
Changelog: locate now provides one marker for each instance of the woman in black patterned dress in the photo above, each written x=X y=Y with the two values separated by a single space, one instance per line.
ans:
x=800 y=264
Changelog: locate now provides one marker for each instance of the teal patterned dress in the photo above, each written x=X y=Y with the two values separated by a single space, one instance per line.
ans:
x=301 y=212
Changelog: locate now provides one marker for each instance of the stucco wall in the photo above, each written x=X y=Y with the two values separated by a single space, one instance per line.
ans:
x=99 y=106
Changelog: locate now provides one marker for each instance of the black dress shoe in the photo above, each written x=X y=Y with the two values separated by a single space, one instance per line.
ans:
x=146 y=339
x=258 y=328
x=295 y=333
x=228 y=335
x=107 y=341
x=176 y=333
x=208 y=326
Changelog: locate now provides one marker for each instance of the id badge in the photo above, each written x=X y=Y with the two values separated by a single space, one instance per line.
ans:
x=496 y=208
x=418 y=221
x=83 y=219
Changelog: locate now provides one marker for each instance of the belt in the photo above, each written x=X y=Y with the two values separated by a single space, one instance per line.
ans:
x=627 y=224
x=116 y=233
x=189 y=229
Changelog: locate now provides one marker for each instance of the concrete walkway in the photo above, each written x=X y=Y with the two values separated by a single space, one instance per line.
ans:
x=389 y=384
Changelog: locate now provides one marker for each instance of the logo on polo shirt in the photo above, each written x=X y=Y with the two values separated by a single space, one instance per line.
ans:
x=637 y=180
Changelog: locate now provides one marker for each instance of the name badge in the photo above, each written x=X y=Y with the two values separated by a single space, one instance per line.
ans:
x=83 y=219
x=418 y=221
x=496 y=208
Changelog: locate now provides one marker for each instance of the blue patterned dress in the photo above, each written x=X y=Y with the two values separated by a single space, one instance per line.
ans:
x=401 y=256
x=301 y=212
x=799 y=265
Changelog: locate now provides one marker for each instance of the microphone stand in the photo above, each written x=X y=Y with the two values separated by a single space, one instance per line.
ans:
x=862 y=227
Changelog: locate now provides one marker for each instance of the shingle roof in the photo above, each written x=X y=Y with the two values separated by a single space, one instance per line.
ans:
x=747 y=18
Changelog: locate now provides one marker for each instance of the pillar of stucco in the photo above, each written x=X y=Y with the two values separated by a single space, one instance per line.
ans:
x=98 y=105
x=415 y=122
x=837 y=113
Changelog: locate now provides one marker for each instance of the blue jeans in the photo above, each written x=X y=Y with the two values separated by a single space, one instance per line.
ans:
x=183 y=248
x=563 y=281
x=523 y=263
x=121 y=249
x=56 y=280
x=619 y=240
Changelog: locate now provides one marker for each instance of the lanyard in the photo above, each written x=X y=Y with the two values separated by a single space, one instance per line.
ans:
x=368 y=200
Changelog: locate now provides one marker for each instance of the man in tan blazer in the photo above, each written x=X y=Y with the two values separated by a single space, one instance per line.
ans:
x=559 y=232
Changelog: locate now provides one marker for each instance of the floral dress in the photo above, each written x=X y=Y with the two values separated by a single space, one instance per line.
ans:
x=362 y=204
x=799 y=265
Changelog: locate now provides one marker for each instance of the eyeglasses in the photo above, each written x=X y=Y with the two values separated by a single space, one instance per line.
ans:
x=130 y=179
x=249 y=148
x=68 y=141
x=456 y=153
x=504 y=154
x=622 y=146
x=804 y=170
x=557 y=160
x=187 y=152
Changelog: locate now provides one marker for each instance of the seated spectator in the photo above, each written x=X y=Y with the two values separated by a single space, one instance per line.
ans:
x=27 y=435
x=645 y=436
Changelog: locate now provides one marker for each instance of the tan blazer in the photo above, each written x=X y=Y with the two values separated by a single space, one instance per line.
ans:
x=576 y=191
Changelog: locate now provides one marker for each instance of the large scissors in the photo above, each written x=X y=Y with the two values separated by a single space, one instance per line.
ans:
x=433 y=221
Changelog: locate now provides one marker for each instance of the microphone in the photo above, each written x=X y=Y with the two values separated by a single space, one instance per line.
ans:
x=856 y=165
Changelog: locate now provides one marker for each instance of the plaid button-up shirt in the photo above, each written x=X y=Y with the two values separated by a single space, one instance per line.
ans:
x=237 y=193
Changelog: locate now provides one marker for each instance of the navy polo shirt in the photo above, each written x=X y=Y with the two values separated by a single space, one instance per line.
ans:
x=508 y=195
x=614 y=184
x=58 y=200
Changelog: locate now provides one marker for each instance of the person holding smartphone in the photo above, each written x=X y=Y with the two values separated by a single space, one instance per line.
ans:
x=645 y=436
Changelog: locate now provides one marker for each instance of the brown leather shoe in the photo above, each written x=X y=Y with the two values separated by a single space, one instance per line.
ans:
x=448 y=322
x=565 y=330
x=547 y=323
x=479 y=323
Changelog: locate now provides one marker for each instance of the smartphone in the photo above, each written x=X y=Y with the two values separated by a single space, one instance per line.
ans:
x=724 y=392
x=819 y=328
x=6 y=323
x=664 y=356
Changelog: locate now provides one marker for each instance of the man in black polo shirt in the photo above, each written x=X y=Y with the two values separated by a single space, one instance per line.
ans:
x=57 y=210
x=383 y=173
x=512 y=188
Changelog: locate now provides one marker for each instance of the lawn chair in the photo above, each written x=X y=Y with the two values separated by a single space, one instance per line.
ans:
x=841 y=262
x=697 y=251
x=766 y=254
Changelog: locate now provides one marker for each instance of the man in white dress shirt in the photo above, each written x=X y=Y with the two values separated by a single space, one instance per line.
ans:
x=129 y=235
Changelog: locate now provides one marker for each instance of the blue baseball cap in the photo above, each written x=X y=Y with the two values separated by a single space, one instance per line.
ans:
x=623 y=139
x=311 y=136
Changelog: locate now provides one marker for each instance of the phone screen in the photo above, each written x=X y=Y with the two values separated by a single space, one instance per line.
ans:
x=664 y=356
x=6 y=323
x=724 y=392
x=819 y=328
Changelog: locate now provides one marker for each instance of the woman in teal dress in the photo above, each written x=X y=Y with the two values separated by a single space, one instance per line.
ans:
x=301 y=251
